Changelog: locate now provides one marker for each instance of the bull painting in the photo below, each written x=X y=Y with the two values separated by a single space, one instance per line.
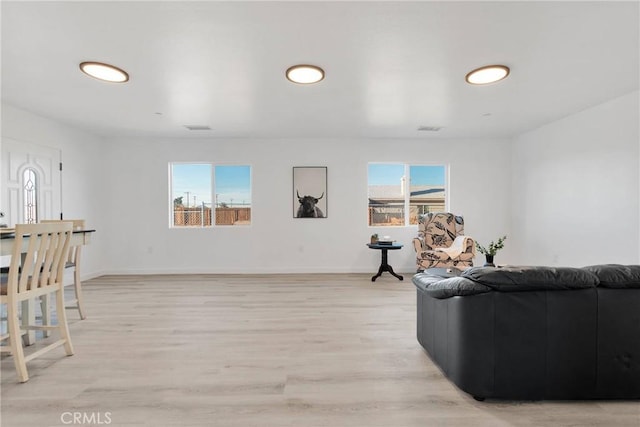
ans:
x=309 y=195
x=308 y=208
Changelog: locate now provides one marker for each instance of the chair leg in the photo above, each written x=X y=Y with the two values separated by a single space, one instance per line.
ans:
x=62 y=321
x=28 y=318
x=45 y=308
x=15 y=339
x=77 y=286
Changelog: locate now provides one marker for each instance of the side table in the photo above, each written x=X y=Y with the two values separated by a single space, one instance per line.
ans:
x=384 y=264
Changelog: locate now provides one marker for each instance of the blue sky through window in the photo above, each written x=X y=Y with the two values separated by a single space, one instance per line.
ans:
x=192 y=180
x=427 y=175
x=391 y=174
x=385 y=174
x=232 y=184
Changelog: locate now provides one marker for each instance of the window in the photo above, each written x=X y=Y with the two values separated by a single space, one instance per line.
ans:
x=203 y=194
x=427 y=191
x=399 y=193
x=30 y=196
x=233 y=195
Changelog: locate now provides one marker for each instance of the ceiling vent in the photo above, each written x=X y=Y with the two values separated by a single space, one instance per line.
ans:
x=429 y=128
x=197 y=127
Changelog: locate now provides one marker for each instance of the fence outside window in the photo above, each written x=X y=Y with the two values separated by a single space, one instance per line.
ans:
x=200 y=216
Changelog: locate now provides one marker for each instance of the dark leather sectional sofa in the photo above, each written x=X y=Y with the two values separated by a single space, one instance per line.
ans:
x=535 y=333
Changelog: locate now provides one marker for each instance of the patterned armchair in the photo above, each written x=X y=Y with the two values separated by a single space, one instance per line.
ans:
x=441 y=242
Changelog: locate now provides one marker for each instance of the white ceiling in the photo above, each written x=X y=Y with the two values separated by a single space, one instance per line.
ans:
x=390 y=66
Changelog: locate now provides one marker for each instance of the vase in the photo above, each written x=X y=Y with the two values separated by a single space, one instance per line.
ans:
x=489 y=262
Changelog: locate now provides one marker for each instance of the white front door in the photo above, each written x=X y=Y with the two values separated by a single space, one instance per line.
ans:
x=30 y=187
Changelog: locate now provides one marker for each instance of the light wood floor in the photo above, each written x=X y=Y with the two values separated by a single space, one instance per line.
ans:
x=280 y=350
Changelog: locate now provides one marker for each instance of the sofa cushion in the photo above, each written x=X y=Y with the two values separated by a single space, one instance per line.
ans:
x=616 y=275
x=455 y=287
x=517 y=278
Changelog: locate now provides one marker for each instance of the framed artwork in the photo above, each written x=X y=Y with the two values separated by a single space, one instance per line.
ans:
x=310 y=192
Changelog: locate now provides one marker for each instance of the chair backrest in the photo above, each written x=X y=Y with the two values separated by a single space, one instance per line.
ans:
x=38 y=258
x=439 y=230
x=78 y=224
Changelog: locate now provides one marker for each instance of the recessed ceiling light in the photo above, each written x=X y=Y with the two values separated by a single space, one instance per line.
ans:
x=105 y=72
x=305 y=74
x=488 y=74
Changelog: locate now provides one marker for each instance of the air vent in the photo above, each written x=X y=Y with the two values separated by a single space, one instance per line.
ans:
x=197 y=127
x=429 y=128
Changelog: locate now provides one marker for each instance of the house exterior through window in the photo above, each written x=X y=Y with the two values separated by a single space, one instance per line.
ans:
x=399 y=194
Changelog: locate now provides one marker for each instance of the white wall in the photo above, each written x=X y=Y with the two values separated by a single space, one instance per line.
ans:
x=82 y=177
x=562 y=193
x=121 y=188
x=576 y=188
x=140 y=240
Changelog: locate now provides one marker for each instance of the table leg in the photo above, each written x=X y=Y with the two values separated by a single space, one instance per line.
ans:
x=380 y=270
x=393 y=273
x=384 y=266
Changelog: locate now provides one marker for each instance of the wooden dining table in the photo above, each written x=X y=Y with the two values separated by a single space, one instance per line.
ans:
x=7 y=243
x=7 y=240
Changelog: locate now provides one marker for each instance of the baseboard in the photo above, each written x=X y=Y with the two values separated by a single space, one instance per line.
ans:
x=327 y=270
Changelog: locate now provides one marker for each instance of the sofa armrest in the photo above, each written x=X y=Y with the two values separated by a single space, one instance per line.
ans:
x=423 y=280
x=418 y=245
x=454 y=287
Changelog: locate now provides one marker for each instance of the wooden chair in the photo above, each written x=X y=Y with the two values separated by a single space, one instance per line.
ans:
x=38 y=273
x=73 y=261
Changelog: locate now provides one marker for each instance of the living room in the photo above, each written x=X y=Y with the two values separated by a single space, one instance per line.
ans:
x=564 y=187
